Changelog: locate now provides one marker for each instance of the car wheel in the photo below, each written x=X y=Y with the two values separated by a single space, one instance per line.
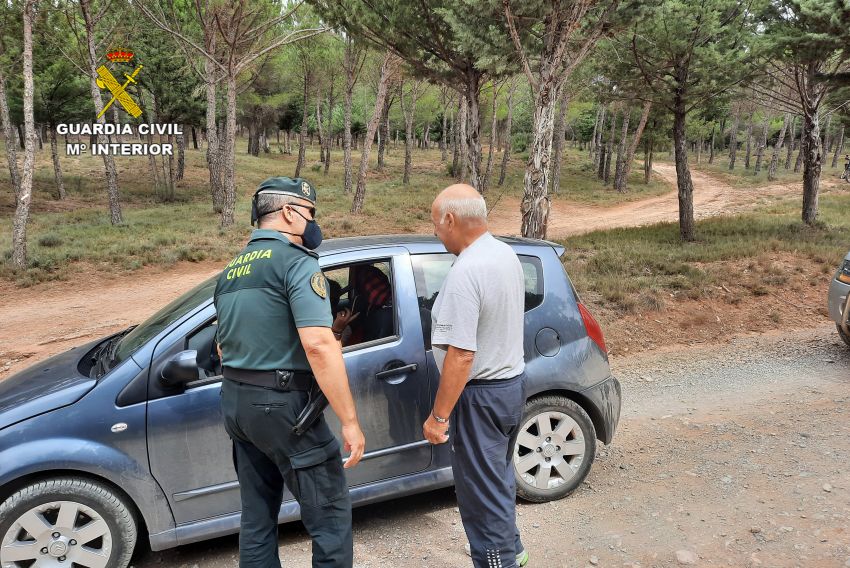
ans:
x=66 y=522
x=554 y=450
x=843 y=335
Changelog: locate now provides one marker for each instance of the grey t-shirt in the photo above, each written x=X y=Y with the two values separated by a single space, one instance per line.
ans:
x=480 y=308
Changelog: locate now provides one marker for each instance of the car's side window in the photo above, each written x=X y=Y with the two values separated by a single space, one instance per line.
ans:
x=429 y=271
x=532 y=271
x=365 y=290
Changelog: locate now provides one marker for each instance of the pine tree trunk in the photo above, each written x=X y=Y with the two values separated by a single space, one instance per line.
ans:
x=647 y=161
x=329 y=137
x=228 y=208
x=444 y=156
x=838 y=146
x=812 y=158
x=506 y=155
x=456 y=138
x=774 y=159
x=154 y=167
x=473 y=128
x=194 y=138
x=749 y=142
x=384 y=133
x=387 y=70
x=792 y=135
x=181 y=155
x=302 y=140
x=599 y=163
x=488 y=171
x=592 y=144
x=733 y=143
x=711 y=148
x=600 y=156
x=558 y=140
x=630 y=154
x=350 y=79
x=609 y=151
x=57 y=167
x=463 y=125
x=22 y=208
x=213 y=154
x=108 y=161
x=116 y=119
x=826 y=144
x=619 y=168
x=9 y=136
x=535 y=200
x=799 y=161
x=408 y=111
x=762 y=145
x=320 y=128
x=683 y=174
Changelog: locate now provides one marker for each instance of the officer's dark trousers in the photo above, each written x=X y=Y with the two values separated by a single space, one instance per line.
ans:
x=483 y=432
x=267 y=455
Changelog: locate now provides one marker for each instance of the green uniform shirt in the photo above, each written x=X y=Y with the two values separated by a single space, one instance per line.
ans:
x=262 y=297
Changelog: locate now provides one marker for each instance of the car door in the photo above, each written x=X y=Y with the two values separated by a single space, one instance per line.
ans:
x=190 y=453
x=388 y=376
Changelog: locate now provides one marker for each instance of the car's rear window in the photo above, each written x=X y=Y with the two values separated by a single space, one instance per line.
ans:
x=430 y=270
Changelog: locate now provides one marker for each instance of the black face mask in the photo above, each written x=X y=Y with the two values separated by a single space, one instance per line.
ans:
x=312 y=235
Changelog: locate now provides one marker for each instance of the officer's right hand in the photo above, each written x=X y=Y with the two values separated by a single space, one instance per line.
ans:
x=354 y=442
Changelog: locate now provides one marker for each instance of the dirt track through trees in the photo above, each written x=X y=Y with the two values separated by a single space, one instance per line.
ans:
x=49 y=318
x=712 y=197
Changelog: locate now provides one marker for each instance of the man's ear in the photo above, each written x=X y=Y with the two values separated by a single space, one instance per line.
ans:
x=449 y=220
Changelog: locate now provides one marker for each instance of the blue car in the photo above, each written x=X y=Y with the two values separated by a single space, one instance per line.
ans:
x=123 y=436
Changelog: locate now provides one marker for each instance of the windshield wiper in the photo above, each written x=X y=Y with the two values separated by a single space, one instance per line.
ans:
x=104 y=356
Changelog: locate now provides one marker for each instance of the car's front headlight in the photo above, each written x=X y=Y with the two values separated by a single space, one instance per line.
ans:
x=844 y=273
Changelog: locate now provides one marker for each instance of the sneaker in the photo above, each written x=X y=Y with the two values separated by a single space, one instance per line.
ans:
x=521 y=558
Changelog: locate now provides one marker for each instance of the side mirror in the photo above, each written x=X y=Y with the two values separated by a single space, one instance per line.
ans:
x=181 y=369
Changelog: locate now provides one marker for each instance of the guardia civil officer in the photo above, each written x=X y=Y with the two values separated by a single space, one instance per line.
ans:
x=275 y=338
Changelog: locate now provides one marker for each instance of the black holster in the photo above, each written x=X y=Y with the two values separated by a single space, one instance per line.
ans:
x=316 y=404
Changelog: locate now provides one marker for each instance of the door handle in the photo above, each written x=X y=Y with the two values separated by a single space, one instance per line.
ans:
x=397 y=371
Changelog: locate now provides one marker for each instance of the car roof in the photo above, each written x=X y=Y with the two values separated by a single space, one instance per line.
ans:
x=414 y=243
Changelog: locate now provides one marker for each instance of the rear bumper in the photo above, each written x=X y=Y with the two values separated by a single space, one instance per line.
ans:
x=839 y=304
x=606 y=397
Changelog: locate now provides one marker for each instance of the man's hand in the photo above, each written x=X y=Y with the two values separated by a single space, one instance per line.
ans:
x=435 y=432
x=354 y=442
x=342 y=319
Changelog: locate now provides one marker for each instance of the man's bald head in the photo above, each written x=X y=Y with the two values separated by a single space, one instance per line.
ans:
x=459 y=214
x=463 y=202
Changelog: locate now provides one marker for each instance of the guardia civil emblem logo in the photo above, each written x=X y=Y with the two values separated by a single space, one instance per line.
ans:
x=305 y=188
x=105 y=80
x=319 y=285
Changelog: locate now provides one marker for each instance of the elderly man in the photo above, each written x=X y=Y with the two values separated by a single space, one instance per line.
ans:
x=477 y=337
x=275 y=338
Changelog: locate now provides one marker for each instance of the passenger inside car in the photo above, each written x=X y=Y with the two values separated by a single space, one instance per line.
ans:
x=362 y=295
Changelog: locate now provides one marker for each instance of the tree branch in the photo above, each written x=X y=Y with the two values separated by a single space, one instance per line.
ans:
x=535 y=85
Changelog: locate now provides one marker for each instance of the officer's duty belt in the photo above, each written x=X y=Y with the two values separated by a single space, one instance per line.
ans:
x=277 y=380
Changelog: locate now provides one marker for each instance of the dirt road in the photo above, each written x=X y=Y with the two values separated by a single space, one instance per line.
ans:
x=711 y=197
x=693 y=472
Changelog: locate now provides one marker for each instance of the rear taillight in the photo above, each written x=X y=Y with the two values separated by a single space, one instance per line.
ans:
x=594 y=332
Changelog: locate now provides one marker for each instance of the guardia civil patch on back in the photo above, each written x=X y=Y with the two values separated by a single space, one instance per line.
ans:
x=319 y=284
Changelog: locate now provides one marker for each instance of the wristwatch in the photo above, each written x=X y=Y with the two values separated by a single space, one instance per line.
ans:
x=438 y=419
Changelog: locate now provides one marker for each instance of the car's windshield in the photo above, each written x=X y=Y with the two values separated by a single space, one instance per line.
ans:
x=163 y=318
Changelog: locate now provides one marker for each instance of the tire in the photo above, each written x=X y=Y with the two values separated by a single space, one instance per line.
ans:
x=550 y=467
x=73 y=509
x=843 y=335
